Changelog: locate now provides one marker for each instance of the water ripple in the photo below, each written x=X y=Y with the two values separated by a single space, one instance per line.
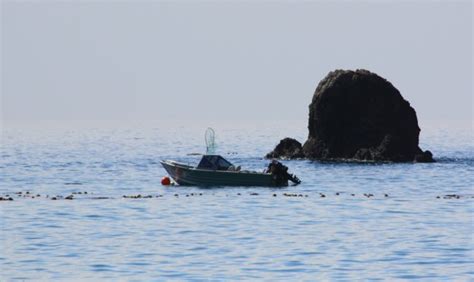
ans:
x=408 y=229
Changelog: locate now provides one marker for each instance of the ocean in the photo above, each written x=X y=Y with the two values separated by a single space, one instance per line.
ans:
x=345 y=221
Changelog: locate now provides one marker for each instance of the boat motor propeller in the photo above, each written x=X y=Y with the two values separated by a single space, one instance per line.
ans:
x=280 y=173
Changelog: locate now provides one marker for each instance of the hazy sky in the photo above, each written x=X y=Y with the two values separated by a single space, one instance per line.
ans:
x=153 y=60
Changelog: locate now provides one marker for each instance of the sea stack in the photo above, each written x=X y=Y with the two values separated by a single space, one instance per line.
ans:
x=358 y=115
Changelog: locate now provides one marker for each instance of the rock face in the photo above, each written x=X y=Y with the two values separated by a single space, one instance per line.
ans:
x=358 y=115
x=288 y=148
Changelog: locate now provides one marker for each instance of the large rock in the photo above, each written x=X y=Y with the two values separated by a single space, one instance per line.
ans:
x=358 y=115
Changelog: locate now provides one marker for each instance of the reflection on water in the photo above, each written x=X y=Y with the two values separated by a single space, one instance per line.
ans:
x=403 y=231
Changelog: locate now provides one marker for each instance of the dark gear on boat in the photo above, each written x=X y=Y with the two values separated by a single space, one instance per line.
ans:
x=280 y=173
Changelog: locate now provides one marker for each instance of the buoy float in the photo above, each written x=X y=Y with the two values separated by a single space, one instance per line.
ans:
x=165 y=181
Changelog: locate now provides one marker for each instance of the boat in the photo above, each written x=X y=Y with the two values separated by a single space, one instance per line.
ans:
x=214 y=170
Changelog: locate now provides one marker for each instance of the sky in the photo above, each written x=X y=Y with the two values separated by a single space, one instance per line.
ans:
x=121 y=61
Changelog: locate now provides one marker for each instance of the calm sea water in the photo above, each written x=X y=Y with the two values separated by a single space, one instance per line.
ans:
x=188 y=233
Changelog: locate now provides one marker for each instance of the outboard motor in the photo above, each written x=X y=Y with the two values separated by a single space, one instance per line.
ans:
x=280 y=174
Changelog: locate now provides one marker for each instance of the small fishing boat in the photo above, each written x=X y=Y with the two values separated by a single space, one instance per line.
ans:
x=214 y=170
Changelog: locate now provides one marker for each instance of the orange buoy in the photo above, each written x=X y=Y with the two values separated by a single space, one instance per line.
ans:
x=165 y=181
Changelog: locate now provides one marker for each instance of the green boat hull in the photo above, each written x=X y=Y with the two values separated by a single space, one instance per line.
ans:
x=188 y=175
